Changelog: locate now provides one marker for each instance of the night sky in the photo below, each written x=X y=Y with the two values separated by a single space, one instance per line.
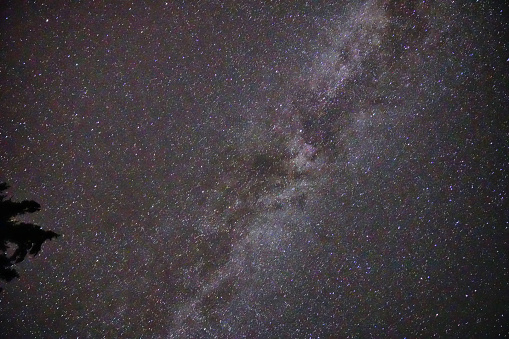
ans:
x=258 y=169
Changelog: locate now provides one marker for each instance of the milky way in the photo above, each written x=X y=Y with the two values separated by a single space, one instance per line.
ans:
x=258 y=170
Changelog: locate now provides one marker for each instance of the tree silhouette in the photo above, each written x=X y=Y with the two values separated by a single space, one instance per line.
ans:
x=17 y=239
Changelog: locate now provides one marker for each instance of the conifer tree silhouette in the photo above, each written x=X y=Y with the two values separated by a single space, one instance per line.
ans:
x=18 y=237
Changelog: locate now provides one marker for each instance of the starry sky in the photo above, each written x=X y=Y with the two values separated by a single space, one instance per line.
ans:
x=257 y=169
